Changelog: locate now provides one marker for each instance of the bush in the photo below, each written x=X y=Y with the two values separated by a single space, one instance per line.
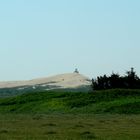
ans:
x=130 y=81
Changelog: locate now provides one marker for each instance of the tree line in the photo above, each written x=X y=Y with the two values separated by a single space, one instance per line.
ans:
x=129 y=81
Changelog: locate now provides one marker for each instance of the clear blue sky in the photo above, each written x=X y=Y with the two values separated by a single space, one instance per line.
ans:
x=45 y=37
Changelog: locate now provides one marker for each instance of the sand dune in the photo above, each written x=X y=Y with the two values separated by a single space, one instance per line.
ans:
x=68 y=80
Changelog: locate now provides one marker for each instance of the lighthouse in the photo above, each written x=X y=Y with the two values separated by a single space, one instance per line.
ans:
x=76 y=71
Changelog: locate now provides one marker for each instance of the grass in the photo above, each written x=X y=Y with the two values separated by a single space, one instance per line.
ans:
x=69 y=127
x=100 y=115
x=108 y=101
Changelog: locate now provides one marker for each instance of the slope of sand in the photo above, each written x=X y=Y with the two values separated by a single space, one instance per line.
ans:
x=69 y=80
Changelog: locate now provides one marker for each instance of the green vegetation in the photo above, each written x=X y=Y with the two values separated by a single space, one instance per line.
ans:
x=118 y=101
x=69 y=127
x=100 y=115
x=129 y=81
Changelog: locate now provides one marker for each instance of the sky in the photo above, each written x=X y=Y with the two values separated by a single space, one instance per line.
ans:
x=40 y=38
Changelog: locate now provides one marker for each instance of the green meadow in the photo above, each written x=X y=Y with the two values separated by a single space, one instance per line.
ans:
x=102 y=115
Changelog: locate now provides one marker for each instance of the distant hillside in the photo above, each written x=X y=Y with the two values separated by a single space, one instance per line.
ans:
x=65 y=82
x=107 y=101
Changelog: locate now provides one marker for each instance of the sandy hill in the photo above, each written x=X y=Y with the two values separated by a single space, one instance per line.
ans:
x=62 y=81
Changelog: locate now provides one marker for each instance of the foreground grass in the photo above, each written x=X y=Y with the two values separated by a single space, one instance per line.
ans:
x=71 y=116
x=69 y=127
x=116 y=101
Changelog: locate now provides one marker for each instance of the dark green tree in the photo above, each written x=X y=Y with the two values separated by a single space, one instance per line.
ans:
x=131 y=80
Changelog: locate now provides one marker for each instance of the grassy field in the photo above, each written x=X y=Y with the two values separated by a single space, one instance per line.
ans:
x=102 y=115
x=69 y=127
x=108 y=101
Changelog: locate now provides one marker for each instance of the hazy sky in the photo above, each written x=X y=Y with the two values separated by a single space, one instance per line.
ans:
x=46 y=37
